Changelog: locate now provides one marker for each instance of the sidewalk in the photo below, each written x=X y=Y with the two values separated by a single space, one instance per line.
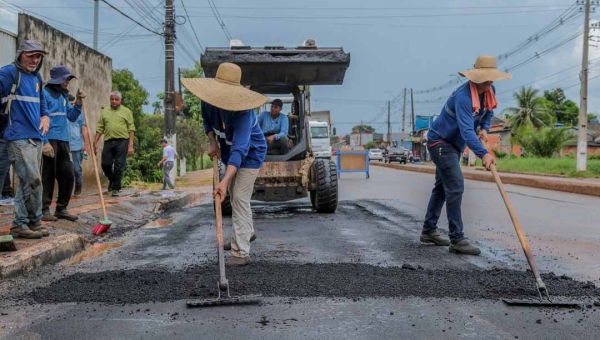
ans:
x=583 y=186
x=133 y=209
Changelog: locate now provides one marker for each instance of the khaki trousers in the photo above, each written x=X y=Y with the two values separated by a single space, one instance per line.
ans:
x=240 y=191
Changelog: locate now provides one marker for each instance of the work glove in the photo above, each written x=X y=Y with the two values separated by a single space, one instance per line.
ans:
x=80 y=95
x=48 y=151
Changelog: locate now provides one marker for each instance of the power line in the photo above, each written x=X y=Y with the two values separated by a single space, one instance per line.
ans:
x=382 y=16
x=193 y=29
x=132 y=19
x=217 y=16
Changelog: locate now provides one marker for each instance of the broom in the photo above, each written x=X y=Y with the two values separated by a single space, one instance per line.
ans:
x=7 y=243
x=104 y=223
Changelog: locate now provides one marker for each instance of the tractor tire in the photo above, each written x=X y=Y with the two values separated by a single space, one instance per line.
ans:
x=325 y=198
x=226 y=209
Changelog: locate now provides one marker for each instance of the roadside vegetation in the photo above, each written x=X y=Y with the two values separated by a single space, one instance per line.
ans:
x=540 y=126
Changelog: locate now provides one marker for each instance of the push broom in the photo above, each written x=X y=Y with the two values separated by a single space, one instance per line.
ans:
x=104 y=223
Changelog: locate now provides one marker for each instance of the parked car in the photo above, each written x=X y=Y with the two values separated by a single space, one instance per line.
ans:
x=396 y=155
x=375 y=155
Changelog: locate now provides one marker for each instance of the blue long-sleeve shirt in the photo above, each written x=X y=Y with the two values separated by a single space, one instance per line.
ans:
x=242 y=143
x=278 y=126
x=457 y=122
x=27 y=107
x=61 y=112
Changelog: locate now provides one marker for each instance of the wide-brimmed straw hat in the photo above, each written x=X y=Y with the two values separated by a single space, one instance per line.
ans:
x=485 y=70
x=225 y=91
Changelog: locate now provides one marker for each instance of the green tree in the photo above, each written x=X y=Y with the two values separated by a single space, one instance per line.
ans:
x=531 y=110
x=370 y=145
x=191 y=103
x=564 y=110
x=347 y=139
x=363 y=129
x=134 y=95
x=191 y=142
x=543 y=142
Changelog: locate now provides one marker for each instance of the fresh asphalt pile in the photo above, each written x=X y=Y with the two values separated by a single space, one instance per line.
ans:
x=330 y=280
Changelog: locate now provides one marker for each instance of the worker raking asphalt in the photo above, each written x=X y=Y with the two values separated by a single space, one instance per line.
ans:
x=306 y=280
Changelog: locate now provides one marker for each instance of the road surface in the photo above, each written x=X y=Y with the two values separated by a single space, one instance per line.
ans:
x=357 y=274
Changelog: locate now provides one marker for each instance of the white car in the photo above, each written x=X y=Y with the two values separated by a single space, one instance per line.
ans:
x=375 y=155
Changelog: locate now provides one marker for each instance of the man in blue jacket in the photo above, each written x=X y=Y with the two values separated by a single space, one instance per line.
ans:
x=465 y=118
x=57 y=165
x=25 y=119
x=236 y=138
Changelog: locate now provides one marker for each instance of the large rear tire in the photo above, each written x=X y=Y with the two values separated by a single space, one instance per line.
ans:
x=325 y=197
x=226 y=209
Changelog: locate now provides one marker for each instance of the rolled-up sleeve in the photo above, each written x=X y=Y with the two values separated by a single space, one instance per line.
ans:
x=130 y=122
x=206 y=117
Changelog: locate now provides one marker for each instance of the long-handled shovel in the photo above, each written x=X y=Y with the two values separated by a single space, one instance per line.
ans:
x=541 y=287
x=223 y=283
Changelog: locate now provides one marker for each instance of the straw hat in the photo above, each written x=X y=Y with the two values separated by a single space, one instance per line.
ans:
x=225 y=91
x=485 y=70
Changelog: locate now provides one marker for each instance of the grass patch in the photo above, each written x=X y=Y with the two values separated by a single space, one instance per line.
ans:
x=549 y=166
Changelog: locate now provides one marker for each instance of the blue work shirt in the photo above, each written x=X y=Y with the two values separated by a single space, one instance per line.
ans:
x=278 y=126
x=457 y=122
x=75 y=137
x=61 y=112
x=27 y=107
x=242 y=143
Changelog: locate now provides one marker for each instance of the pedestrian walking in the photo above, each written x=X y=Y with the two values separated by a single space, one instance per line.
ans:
x=56 y=161
x=236 y=138
x=25 y=120
x=167 y=163
x=78 y=142
x=117 y=125
x=464 y=119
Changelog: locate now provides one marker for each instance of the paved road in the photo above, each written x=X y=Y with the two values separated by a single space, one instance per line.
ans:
x=326 y=276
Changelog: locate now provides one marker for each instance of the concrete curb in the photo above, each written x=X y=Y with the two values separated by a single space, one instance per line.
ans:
x=541 y=182
x=56 y=249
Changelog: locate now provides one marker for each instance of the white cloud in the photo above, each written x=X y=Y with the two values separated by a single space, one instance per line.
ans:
x=8 y=20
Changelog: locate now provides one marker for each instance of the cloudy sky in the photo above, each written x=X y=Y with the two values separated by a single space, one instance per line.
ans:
x=393 y=44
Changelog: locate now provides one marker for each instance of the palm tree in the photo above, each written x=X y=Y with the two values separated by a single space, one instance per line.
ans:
x=531 y=110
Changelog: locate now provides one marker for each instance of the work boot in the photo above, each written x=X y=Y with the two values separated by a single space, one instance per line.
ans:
x=37 y=226
x=47 y=216
x=64 y=215
x=227 y=245
x=238 y=261
x=77 y=191
x=435 y=238
x=25 y=232
x=464 y=247
x=115 y=193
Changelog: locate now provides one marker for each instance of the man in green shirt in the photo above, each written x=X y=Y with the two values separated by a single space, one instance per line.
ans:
x=117 y=126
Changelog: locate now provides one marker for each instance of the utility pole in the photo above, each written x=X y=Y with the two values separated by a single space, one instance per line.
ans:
x=170 y=78
x=412 y=111
x=402 y=135
x=182 y=161
x=389 y=126
x=582 y=138
x=96 y=10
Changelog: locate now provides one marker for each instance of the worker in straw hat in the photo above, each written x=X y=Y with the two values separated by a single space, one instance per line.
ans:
x=236 y=138
x=464 y=119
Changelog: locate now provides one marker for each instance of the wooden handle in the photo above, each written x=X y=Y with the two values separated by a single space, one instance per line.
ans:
x=516 y=223
x=514 y=219
x=93 y=152
x=219 y=219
